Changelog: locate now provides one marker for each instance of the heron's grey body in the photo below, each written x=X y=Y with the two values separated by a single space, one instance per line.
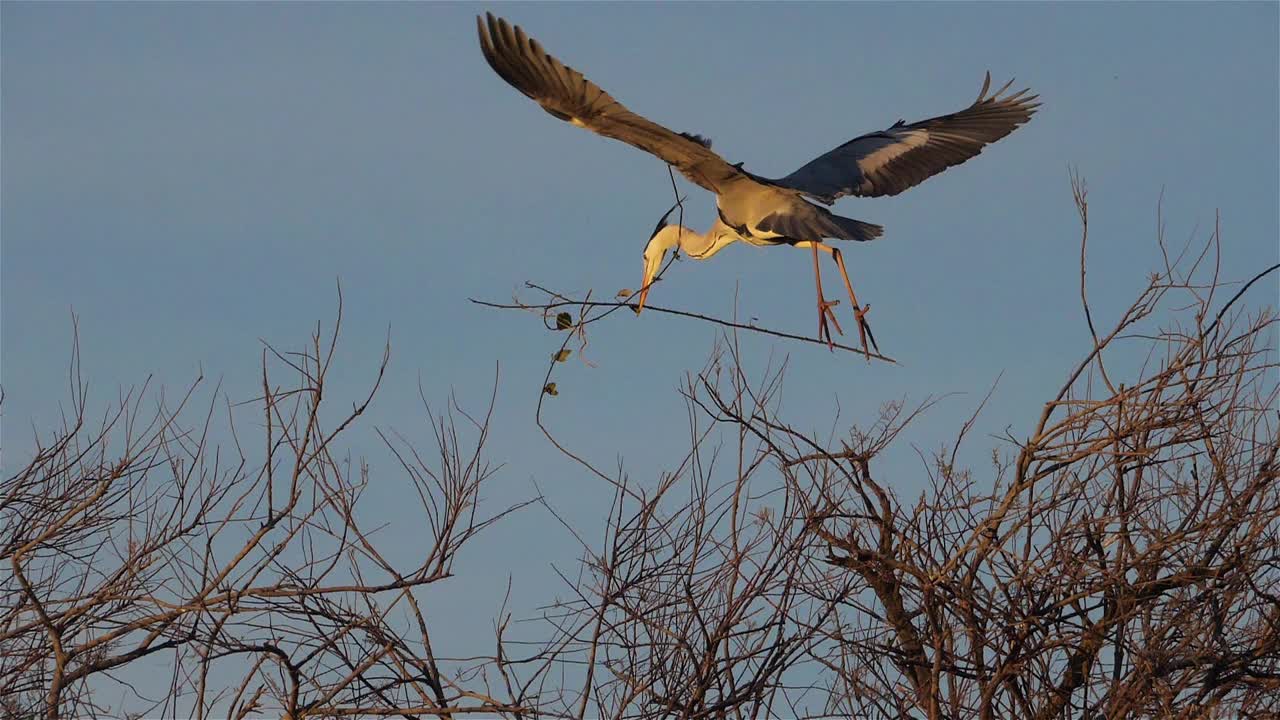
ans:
x=765 y=213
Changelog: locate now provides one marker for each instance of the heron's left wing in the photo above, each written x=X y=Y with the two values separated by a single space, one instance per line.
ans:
x=903 y=156
x=566 y=94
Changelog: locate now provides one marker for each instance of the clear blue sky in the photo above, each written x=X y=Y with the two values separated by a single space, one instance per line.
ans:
x=189 y=178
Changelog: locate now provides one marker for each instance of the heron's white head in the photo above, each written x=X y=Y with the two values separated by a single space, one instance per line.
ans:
x=664 y=238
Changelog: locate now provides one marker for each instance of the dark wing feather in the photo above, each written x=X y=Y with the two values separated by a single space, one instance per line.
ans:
x=803 y=221
x=903 y=156
x=566 y=94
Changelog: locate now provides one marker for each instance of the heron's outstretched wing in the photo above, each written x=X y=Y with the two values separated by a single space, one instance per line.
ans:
x=890 y=161
x=566 y=94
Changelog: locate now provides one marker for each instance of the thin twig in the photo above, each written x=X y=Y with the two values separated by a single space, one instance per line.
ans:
x=680 y=313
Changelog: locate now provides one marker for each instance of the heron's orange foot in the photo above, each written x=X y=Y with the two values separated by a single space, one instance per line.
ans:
x=825 y=313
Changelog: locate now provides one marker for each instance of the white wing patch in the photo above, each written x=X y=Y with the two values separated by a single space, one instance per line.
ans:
x=901 y=145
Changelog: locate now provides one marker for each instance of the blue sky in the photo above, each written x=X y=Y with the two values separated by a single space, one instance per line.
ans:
x=189 y=178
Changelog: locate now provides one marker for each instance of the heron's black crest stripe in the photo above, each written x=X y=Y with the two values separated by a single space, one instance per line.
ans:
x=662 y=221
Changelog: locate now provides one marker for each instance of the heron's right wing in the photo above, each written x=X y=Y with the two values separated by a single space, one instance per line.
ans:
x=566 y=94
x=903 y=156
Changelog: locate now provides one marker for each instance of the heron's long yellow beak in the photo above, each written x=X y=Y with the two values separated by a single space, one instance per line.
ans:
x=650 y=271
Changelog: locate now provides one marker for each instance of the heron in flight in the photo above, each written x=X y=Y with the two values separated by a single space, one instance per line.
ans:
x=753 y=209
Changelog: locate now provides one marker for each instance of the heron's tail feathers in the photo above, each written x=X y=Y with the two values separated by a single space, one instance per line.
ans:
x=843 y=228
x=809 y=221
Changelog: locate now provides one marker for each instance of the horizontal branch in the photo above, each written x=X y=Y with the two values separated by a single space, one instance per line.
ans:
x=679 y=313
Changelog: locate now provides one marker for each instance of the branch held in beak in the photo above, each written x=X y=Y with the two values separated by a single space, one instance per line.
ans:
x=652 y=260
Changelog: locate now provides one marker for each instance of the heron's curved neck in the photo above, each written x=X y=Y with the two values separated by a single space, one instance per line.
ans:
x=701 y=246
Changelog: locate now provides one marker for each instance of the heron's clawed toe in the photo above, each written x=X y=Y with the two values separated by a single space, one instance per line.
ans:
x=824 y=333
x=864 y=329
x=824 y=310
x=825 y=314
x=871 y=337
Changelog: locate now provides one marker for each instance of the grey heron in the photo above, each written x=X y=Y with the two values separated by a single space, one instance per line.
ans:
x=751 y=208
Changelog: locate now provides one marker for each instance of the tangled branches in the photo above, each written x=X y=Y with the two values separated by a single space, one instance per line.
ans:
x=1119 y=560
x=136 y=543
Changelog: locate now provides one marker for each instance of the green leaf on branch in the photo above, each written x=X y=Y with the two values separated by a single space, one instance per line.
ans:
x=564 y=321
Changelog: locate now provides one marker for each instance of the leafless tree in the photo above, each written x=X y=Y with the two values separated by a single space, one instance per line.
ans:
x=1119 y=556
x=1121 y=559
x=130 y=539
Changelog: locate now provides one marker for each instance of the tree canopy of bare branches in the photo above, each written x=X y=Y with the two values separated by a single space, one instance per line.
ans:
x=1118 y=559
x=129 y=539
x=1117 y=556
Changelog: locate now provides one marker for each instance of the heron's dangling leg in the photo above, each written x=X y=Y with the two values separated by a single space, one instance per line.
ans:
x=824 y=305
x=859 y=312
